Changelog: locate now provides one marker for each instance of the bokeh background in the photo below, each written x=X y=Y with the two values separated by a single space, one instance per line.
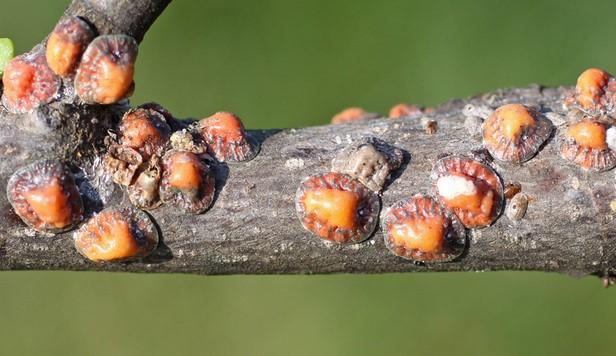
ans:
x=293 y=63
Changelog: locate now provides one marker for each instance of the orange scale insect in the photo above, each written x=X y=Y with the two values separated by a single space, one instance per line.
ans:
x=144 y=130
x=45 y=197
x=353 y=114
x=187 y=182
x=337 y=208
x=586 y=144
x=471 y=189
x=226 y=137
x=514 y=133
x=105 y=73
x=405 y=110
x=420 y=229
x=66 y=44
x=29 y=82
x=590 y=88
x=116 y=235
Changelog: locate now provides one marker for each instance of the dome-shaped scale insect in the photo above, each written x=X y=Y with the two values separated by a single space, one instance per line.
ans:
x=471 y=189
x=420 y=229
x=337 y=208
x=514 y=133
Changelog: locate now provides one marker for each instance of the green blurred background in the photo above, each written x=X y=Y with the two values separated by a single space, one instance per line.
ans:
x=291 y=63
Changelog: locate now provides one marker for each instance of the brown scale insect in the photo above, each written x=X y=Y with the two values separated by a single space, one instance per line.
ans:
x=470 y=188
x=29 y=82
x=420 y=229
x=66 y=44
x=144 y=130
x=353 y=114
x=429 y=125
x=511 y=189
x=337 y=208
x=586 y=144
x=187 y=182
x=45 y=196
x=226 y=137
x=105 y=73
x=117 y=235
x=514 y=133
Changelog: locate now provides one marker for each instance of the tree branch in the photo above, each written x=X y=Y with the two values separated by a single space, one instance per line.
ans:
x=252 y=227
x=131 y=17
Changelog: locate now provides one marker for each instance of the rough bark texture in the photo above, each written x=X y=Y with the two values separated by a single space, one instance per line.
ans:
x=131 y=17
x=252 y=227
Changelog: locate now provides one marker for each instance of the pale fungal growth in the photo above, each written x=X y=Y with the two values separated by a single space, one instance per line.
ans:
x=471 y=189
x=613 y=205
x=450 y=187
x=45 y=196
x=516 y=207
x=421 y=230
x=515 y=133
x=370 y=161
x=585 y=144
x=117 y=235
x=337 y=208
x=184 y=140
x=610 y=138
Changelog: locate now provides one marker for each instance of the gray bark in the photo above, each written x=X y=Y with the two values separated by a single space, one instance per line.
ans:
x=252 y=227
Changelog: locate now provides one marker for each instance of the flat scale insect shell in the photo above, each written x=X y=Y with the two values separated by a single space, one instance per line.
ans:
x=470 y=188
x=66 y=44
x=116 y=235
x=144 y=130
x=420 y=229
x=585 y=143
x=337 y=208
x=105 y=73
x=29 y=82
x=226 y=137
x=514 y=133
x=121 y=163
x=353 y=114
x=516 y=207
x=365 y=162
x=143 y=193
x=187 y=182
x=45 y=196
